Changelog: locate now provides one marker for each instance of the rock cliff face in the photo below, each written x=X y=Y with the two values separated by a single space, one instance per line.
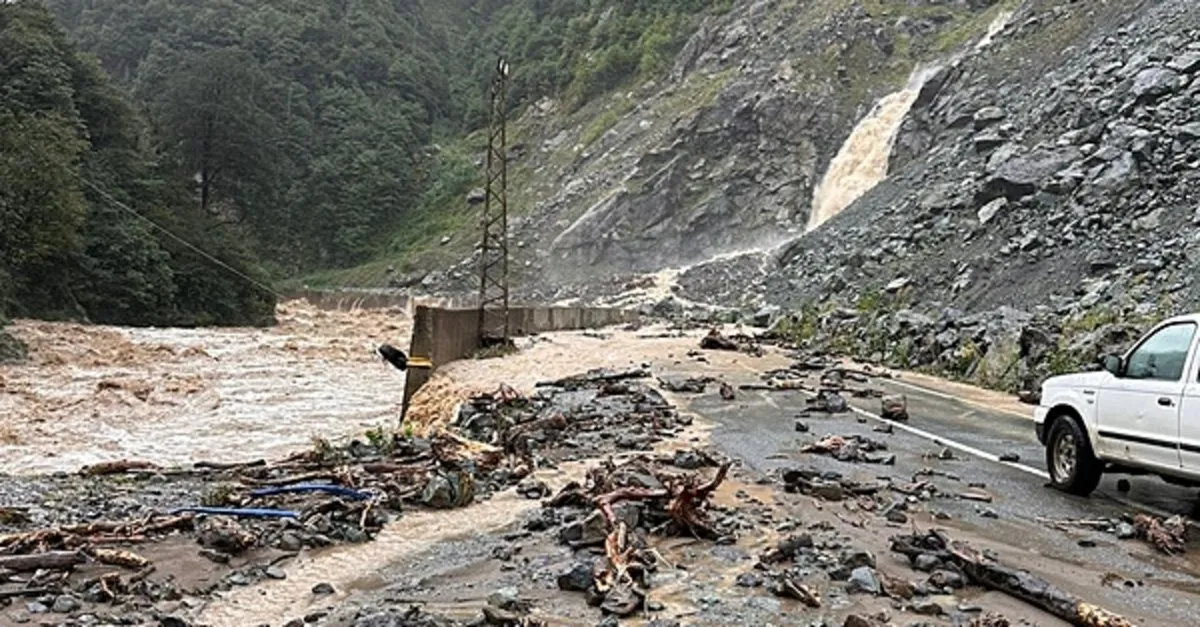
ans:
x=1040 y=194
x=722 y=155
x=1056 y=168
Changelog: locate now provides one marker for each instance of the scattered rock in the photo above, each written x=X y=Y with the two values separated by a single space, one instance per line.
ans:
x=894 y=408
x=577 y=578
x=864 y=580
x=65 y=604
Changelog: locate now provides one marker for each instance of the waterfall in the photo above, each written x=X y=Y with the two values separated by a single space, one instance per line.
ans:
x=862 y=161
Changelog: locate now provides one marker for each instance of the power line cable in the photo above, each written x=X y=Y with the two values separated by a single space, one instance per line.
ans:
x=182 y=241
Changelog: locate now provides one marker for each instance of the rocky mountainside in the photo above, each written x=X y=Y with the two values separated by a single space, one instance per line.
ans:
x=1038 y=205
x=722 y=154
x=1023 y=178
x=1041 y=207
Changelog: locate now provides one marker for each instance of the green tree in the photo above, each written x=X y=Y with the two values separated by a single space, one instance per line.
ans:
x=79 y=189
x=214 y=115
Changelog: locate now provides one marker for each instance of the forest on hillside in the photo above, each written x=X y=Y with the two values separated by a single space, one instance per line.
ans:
x=79 y=190
x=280 y=136
x=315 y=126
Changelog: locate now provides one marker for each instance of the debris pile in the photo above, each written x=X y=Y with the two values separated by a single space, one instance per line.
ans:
x=574 y=418
x=625 y=505
x=830 y=486
x=233 y=514
x=851 y=448
x=934 y=549
x=715 y=341
x=1168 y=536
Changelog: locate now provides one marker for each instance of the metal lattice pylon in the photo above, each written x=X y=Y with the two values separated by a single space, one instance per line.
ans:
x=493 y=265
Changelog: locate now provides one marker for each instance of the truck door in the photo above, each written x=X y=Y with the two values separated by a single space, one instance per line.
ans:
x=1139 y=411
x=1189 y=417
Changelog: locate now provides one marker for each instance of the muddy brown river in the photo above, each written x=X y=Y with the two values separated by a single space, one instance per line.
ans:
x=173 y=396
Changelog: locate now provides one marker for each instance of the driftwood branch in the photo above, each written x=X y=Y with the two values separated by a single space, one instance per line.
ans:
x=51 y=560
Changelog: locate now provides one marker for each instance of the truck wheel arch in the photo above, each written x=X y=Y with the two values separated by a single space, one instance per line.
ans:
x=1064 y=411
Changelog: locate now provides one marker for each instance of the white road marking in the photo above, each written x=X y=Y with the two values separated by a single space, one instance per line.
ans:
x=970 y=450
x=965 y=448
x=951 y=397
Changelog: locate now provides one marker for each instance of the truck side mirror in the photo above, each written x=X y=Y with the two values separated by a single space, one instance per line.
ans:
x=1114 y=364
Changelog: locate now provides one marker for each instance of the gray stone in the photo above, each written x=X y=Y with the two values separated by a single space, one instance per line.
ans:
x=65 y=604
x=1148 y=222
x=829 y=491
x=928 y=608
x=897 y=284
x=590 y=531
x=323 y=588
x=35 y=607
x=275 y=572
x=1189 y=131
x=989 y=211
x=1153 y=82
x=749 y=580
x=1019 y=176
x=1120 y=174
x=987 y=141
x=289 y=541
x=988 y=116
x=946 y=579
x=864 y=580
x=505 y=598
x=1185 y=63
x=577 y=578
x=926 y=562
x=1125 y=531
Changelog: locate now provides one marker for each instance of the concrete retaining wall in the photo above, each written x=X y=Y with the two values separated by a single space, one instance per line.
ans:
x=446 y=335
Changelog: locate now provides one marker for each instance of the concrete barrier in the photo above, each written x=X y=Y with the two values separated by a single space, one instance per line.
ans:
x=446 y=335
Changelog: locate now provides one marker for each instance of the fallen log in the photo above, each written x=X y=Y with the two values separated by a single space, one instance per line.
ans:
x=50 y=560
x=983 y=571
x=9 y=593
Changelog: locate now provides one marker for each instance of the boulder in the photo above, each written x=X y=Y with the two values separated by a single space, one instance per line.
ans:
x=1153 y=82
x=1021 y=176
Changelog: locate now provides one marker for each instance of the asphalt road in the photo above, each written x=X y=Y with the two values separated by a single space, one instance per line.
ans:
x=1151 y=589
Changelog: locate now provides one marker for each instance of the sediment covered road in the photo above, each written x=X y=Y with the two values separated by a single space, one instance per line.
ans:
x=315 y=376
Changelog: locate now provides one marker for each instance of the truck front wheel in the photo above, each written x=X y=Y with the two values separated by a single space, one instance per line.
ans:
x=1073 y=466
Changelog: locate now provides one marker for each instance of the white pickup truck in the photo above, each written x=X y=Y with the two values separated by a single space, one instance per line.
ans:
x=1139 y=415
